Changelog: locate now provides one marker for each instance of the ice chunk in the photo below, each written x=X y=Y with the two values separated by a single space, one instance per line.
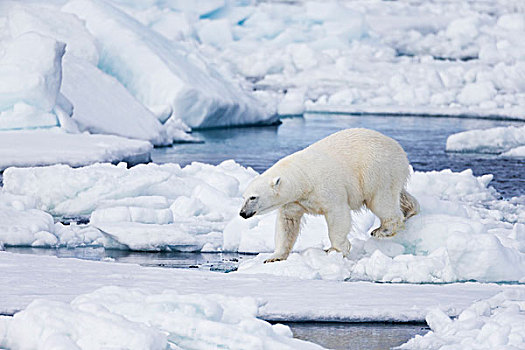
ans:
x=52 y=22
x=163 y=73
x=30 y=76
x=21 y=224
x=497 y=322
x=493 y=140
x=476 y=93
x=147 y=207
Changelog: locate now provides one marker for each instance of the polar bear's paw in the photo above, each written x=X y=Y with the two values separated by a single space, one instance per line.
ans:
x=382 y=232
x=270 y=260
x=331 y=249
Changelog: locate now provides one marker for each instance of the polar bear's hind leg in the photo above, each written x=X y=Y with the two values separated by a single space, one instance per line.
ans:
x=387 y=208
x=409 y=204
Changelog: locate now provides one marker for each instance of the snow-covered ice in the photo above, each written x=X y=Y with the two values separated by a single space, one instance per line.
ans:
x=464 y=231
x=494 y=323
x=28 y=277
x=508 y=141
x=445 y=58
x=132 y=319
x=45 y=147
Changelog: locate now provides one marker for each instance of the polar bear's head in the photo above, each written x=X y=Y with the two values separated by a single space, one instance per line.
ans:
x=263 y=195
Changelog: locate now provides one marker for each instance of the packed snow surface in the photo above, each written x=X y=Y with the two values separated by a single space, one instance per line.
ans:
x=507 y=141
x=116 y=317
x=494 y=323
x=464 y=231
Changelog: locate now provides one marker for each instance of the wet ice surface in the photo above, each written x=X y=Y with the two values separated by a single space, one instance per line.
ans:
x=423 y=138
x=356 y=336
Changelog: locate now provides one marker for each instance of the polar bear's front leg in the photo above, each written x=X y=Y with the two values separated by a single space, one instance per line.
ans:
x=339 y=221
x=286 y=231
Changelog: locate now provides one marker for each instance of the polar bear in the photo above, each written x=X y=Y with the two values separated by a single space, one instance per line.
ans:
x=331 y=177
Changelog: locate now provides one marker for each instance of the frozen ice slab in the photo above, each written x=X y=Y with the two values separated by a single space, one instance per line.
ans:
x=133 y=319
x=25 y=278
x=166 y=75
x=45 y=147
x=505 y=140
x=494 y=323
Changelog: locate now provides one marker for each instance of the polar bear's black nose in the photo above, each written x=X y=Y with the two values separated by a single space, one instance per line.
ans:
x=246 y=215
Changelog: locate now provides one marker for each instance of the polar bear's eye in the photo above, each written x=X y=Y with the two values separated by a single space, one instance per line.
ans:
x=252 y=198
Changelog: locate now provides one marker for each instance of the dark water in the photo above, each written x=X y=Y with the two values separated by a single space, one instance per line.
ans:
x=356 y=336
x=423 y=138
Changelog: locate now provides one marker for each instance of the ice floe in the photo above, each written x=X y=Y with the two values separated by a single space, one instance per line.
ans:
x=464 y=231
x=121 y=318
x=508 y=141
x=280 y=298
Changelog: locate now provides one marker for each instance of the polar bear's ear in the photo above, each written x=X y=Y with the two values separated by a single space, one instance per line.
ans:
x=276 y=181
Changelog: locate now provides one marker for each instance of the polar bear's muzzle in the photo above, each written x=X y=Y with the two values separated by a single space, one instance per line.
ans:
x=248 y=209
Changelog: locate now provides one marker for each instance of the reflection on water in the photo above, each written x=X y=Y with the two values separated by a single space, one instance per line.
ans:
x=357 y=336
x=423 y=138
x=220 y=262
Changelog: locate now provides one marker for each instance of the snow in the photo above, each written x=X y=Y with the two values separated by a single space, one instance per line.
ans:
x=25 y=278
x=508 y=141
x=121 y=318
x=45 y=147
x=464 y=231
x=494 y=323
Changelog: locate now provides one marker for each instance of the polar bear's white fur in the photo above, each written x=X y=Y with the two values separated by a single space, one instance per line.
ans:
x=331 y=177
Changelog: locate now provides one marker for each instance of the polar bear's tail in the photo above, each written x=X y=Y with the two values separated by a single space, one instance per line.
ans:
x=409 y=204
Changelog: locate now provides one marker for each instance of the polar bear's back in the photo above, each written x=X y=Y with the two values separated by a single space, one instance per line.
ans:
x=364 y=159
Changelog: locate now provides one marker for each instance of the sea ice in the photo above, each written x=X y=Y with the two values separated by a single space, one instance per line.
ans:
x=464 y=231
x=133 y=319
x=494 y=323
x=103 y=106
x=498 y=140
x=30 y=76
x=280 y=298
x=163 y=74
